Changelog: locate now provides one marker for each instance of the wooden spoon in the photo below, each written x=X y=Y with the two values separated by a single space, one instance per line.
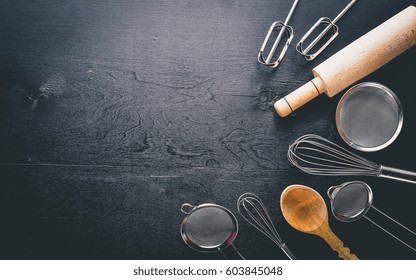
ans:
x=305 y=210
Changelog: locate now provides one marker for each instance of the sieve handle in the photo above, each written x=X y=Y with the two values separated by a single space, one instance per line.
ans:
x=397 y=174
x=332 y=191
x=187 y=208
x=337 y=245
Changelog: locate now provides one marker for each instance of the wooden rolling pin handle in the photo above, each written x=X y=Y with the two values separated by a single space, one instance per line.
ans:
x=299 y=97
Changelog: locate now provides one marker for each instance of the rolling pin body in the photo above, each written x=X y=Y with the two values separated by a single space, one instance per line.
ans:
x=355 y=61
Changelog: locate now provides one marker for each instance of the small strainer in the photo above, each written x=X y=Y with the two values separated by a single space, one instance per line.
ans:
x=369 y=117
x=352 y=200
x=209 y=228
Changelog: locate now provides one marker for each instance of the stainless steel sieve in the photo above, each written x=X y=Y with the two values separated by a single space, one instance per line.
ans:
x=209 y=228
x=351 y=201
x=369 y=117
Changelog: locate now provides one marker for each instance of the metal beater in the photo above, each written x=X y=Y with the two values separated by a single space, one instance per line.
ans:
x=316 y=155
x=252 y=209
x=330 y=25
x=284 y=27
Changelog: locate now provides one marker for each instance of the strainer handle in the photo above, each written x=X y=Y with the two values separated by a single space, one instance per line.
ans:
x=332 y=191
x=187 y=208
x=397 y=174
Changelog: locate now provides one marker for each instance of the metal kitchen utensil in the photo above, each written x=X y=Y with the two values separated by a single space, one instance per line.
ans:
x=305 y=210
x=252 y=209
x=352 y=200
x=369 y=117
x=330 y=25
x=284 y=28
x=209 y=228
x=355 y=61
x=316 y=155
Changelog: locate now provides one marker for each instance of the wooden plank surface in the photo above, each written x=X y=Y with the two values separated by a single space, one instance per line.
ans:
x=114 y=113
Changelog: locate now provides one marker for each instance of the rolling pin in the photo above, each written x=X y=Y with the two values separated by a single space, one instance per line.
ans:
x=355 y=61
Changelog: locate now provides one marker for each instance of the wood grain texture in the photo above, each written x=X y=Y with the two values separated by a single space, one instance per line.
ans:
x=305 y=210
x=114 y=113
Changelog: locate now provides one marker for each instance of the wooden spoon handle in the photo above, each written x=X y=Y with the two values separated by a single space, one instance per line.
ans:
x=338 y=246
x=344 y=253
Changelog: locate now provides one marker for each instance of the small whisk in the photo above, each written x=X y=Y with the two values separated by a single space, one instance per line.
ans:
x=252 y=209
x=284 y=27
x=330 y=25
x=316 y=155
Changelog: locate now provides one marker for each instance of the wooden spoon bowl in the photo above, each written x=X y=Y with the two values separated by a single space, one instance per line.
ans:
x=305 y=210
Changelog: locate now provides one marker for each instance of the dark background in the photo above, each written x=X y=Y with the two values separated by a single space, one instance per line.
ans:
x=114 y=113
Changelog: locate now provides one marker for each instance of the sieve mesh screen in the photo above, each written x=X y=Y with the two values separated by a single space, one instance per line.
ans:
x=369 y=116
x=351 y=200
x=209 y=227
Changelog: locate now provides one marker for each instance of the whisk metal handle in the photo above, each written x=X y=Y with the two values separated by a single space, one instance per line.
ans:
x=288 y=253
x=397 y=174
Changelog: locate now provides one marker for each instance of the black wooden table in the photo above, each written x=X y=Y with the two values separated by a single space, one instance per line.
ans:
x=114 y=113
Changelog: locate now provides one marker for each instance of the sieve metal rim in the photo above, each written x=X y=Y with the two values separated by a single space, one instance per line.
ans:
x=351 y=142
x=332 y=193
x=208 y=249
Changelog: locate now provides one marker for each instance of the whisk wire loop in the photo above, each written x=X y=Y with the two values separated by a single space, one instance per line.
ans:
x=318 y=156
x=263 y=225
x=333 y=148
x=252 y=209
x=328 y=160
